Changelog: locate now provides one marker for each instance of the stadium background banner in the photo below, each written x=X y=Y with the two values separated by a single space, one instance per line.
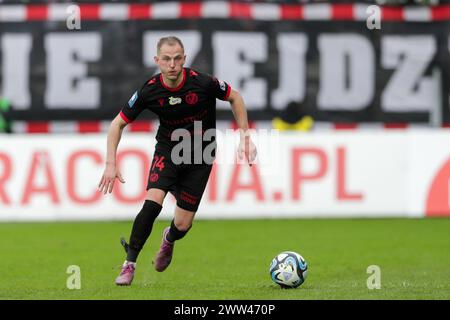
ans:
x=322 y=56
x=339 y=174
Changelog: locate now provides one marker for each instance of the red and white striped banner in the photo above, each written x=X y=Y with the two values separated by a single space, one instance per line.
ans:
x=219 y=10
x=102 y=126
x=152 y=126
x=78 y=126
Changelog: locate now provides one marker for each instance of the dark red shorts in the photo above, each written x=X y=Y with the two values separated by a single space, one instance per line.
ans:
x=186 y=182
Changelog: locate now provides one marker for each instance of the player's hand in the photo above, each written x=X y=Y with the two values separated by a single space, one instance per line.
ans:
x=106 y=184
x=247 y=149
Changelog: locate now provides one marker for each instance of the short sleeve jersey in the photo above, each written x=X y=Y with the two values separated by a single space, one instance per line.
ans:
x=178 y=108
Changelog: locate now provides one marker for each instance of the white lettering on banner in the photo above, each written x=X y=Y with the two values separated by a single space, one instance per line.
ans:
x=292 y=48
x=347 y=72
x=408 y=89
x=347 y=67
x=235 y=55
x=16 y=49
x=192 y=43
x=67 y=83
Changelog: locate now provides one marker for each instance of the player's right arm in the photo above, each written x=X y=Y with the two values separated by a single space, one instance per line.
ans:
x=128 y=114
x=111 y=171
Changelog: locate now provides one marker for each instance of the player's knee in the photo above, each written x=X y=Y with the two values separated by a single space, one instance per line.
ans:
x=178 y=230
x=156 y=195
x=183 y=225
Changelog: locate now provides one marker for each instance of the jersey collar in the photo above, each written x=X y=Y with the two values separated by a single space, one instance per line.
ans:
x=177 y=87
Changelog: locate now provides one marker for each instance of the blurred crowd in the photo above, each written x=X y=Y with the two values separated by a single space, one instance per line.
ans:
x=5 y=119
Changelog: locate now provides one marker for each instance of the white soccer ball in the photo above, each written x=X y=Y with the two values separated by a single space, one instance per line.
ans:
x=288 y=269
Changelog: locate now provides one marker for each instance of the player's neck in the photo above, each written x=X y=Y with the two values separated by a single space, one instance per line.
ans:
x=174 y=83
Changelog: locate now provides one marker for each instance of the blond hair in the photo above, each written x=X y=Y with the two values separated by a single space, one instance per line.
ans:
x=171 y=40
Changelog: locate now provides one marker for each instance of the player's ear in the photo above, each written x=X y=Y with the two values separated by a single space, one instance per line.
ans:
x=156 y=59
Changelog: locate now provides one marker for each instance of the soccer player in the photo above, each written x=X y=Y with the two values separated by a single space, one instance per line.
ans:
x=182 y=98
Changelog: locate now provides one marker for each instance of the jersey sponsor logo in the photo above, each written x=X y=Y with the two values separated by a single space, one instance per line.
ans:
x=174 y=100
x=189 y=198
x=154 y=177
x=191 y=98
x=222 y=85
x=133 y=99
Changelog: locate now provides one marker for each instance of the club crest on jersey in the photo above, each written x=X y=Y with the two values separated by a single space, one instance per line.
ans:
x=174 y=100
x=154 y=177
x=191 y=98
x=132 y=99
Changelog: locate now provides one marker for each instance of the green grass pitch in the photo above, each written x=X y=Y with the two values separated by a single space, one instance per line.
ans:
x=230 y=259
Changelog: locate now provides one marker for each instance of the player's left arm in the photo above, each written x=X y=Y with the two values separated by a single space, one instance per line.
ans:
x=246 y=146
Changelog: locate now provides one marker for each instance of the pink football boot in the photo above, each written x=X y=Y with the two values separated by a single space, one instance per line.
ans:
x=165 y=253
x=126 y=275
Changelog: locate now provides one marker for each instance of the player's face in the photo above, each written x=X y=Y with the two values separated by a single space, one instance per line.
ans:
x=171 y=60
